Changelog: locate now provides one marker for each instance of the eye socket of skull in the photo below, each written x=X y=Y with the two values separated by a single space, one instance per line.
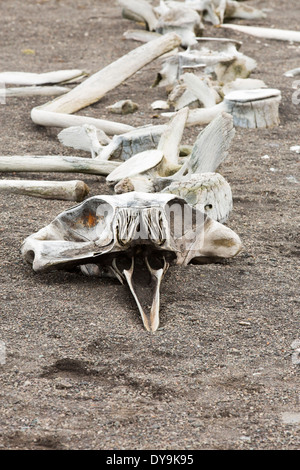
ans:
x=90 y=220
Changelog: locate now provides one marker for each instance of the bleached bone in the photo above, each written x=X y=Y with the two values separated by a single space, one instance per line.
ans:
x=141 y=9
x=183 y=20
x=98 y=84
x=138 y=140
x=56 y=163
x=130 y=15
x=292 y=73
x=130 y=234
x=239 y=10
x=243 y=84
x=161 y=162
x=181 y=96
x=139 y=163
x=66 y=190
x=25 y=78
x=254 y=108
x=295 y=148
x=267 y=33
x=205 y=8
x=43 y=117
x=123 y=107
x=141 y=35
x=159 y=104
x=219 y=42
x=33 y=91
x=209 y=151
x=212 y=145
x=208 y=192
x=201 y=90
x=169 y=143
x=201 y=116
x=85 y=137
x=224 y=65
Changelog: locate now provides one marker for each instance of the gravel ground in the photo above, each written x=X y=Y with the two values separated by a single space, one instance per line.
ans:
x=80 y=370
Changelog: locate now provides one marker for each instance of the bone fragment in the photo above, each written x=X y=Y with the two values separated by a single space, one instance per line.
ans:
x=209 y=151
x=208 y=192
x=43 y=117
x=85 y=137
x=169 y=143
x=220 y=41
x=66 y=190
x=201 y=116
x=123 y=107
x=124 y=146
x=238 y=10
x=292 y=73
x=51 y=163
x=212 y=145
x=141 y=35
x=181 y=19
x=223 y=65
x=139 y=163
x=25 y=78
x=267 y=33
x=243 y=84
x=159 y=104
x=141 y=9
x=256 y=108
x=97 y=85
x=206 y=8
x=200 y=89
x=33 y=91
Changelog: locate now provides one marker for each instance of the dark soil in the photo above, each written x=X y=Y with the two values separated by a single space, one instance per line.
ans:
x=80 y=371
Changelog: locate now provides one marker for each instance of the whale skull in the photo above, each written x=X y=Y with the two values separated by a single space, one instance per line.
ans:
x=130 y=235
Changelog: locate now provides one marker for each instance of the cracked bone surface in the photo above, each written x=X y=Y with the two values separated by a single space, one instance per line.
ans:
x=133 y=235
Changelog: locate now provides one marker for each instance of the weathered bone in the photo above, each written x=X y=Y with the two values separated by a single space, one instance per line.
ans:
x=162 y=161
x=243 y=84
x=201 y=116
x=85 y=137
x=138 y=140
x=66 y=190
x=224 y=65
x=56 y=163
x=208 y=192
x=110 y=231
x=267 y=33
x=141 y=9
x=209 y=151
x=43 y=117
x=206 y=8
x=292 y=73
x=201 y=90
x=254 y=108
x=25 y=78
x=33 y=91
x=212 y=145
x=141 y=35
x=123 y=107
x=139 y=163
x=238 y=10
x=181 y=19
x=170 y=142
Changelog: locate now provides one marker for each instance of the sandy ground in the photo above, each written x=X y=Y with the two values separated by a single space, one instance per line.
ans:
x=80 y=370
